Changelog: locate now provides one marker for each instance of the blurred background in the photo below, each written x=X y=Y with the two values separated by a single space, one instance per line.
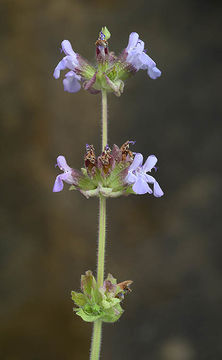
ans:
x=170 y=247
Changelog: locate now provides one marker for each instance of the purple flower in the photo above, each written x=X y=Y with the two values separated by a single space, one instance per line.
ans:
x=70 y=61
x=137 y=175
x=68 y=176
x=138 y=58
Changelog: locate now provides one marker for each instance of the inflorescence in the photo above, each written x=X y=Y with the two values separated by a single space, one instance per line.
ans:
x=116 y=171
x=113 y=173
x=110 y=72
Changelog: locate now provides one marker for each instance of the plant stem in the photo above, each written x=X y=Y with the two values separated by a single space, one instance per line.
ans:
x=102 y=241
x=104 y=119
x=97 y=326
x=96 y=340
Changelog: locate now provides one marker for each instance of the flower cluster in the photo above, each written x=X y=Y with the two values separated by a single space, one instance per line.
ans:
x=113 y=173
x=110 y=71
x=102 y=303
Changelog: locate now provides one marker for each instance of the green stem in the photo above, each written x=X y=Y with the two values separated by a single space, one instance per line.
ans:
x=96 y=340
x=97 y=326
x=104 y=119
x=102 y=241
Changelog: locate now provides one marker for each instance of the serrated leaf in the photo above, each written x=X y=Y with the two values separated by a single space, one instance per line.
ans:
x=79 y=298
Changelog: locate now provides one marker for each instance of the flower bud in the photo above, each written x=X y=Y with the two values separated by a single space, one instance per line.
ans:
x=106 y=32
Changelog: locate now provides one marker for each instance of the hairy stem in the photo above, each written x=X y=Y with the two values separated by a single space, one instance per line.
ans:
x=97 y=326
x=102 y=241
x=104 y=119
x=96 y=340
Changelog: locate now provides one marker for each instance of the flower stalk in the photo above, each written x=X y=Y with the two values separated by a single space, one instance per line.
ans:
x=101 y=241
x=97 y=325
x=104 y=119
x=96 y=340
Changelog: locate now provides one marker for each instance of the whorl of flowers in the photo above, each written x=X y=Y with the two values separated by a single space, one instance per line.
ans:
x=110 y=71
x=113 y=173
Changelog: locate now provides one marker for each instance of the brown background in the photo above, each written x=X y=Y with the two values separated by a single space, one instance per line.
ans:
x=170 y=247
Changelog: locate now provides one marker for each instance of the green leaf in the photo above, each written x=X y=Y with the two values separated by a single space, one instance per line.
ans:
x=129 y=190
x=87 y=317
x=86 y=183
x=110 y=302
x=113 y=314
x=79 y=298
x=114 y=179
x=88 y=283
x=88 y=71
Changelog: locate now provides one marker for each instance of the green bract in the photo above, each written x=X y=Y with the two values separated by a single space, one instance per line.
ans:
x=98 y=303
x=110 y=71
x=104 y=175
x=111 y=186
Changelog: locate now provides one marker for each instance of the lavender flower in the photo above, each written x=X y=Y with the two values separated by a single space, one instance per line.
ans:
x=70 y=175
x=137 y=175
x=137 y=57
x=110 y=71
x=70 y=61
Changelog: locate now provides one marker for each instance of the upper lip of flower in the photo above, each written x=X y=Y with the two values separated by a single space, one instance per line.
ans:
x=69 y=61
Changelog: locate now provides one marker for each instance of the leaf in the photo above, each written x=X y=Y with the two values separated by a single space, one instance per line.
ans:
x=111 y=279
x=87 y=317
x=110 y=302
x=79 y=298
x=113 y=314
x=129 y=190
x=88 y=283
